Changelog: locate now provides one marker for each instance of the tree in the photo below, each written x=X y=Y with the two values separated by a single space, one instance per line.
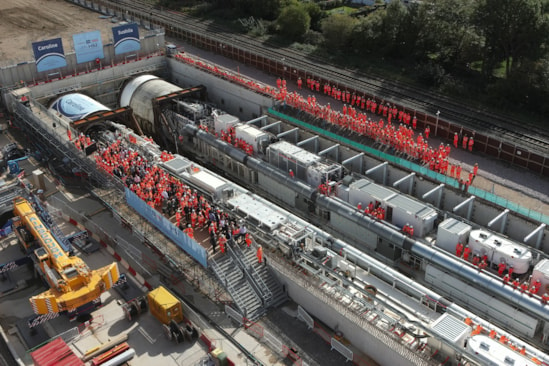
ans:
x=315 y=13
x=293 y=21
x=337 y=30
x=367 y=33
x=263 y=9
x=447 y=35
x=514 y=30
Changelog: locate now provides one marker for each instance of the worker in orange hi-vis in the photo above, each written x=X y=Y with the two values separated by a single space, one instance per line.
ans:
x=475 y=169
x=189 y=231
x=222 y=241
x=466 y=253
x=292 y=175
x=458 y=171
x=427 y=132
x=299 y=83
x=459 y=249
x=194 y=218
x=501 y=268
x=471 y=142
x=464 y=141
x=456 y=139
x=260 y=254
x=248 y=240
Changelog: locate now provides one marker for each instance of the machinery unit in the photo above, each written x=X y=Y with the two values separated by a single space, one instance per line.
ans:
x=222 y=122
x=164 y=306
x=215 y=186
x=400 y=209
x=450 y=232
x=454 y=330
x=541 y=274
x=286 y=156
x=500 y=250
x=253 y=136
x=169 y=311
x=493 y=353
x=73 y=286
x=323 y=172
x=195 y=111
x=76 y=106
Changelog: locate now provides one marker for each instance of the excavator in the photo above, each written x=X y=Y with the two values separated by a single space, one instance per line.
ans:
x=73 y=286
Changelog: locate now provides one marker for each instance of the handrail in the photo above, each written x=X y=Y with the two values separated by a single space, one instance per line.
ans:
x=223 y=278
x=254 y=277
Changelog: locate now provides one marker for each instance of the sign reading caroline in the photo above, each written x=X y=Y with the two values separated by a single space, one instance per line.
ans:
x=88 y=46
x=49 y=54
x=126 y=38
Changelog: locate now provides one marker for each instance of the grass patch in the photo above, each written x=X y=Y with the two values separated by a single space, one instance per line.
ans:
x=346 y=10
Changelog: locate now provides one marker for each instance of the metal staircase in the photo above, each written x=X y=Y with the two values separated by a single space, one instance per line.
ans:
x=238 y=286
x=269 y=289
x=251 y=285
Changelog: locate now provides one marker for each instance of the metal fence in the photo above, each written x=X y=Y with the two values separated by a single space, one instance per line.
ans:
x=303 y=315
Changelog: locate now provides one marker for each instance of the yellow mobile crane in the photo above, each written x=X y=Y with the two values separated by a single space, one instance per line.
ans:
x=72 y=283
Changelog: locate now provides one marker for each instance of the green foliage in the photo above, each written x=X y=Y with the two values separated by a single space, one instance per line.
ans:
x=498 y=48
x=293 y=21
x=315 y=13
x=514 y=31
x=338 y=31
x=263 y=9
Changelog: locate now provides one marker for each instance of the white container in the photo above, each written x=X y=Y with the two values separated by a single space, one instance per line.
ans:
x=253 y=136
x=541 y=273
x=499 y=249
x=450 y=232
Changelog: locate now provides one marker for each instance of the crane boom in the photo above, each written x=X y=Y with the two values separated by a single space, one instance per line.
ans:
x=72 y=283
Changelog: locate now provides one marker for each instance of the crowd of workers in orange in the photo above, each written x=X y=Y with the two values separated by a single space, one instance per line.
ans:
x=171 y=196
x=354 y=117
x=504 y=270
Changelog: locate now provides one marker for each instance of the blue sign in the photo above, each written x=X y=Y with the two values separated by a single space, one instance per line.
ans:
x=190 y=246
x=88 y=46
x=126 y=38
x=49 y=54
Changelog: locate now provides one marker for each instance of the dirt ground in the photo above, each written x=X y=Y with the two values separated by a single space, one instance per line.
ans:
x=25 y=21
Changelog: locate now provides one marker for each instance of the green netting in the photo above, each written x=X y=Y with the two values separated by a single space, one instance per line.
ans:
x=488 y=196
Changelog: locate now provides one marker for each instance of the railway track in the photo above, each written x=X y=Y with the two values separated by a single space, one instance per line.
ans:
x=289 y=63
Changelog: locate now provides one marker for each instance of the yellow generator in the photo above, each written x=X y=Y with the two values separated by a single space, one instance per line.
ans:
x=165 y=306
x=169 y=311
